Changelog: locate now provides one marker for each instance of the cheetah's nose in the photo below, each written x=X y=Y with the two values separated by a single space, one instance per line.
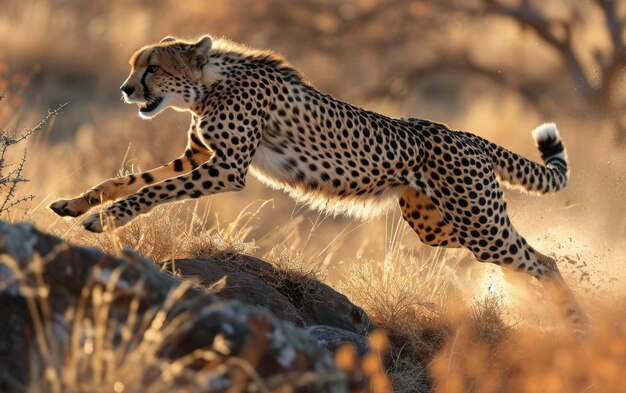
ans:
x=127 y=89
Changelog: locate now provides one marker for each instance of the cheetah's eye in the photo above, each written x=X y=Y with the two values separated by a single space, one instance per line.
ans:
x=153 y=68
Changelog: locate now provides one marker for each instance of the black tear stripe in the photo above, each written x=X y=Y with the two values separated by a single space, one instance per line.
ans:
x=146 y=92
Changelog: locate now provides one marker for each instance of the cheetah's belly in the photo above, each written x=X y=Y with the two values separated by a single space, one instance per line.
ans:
x=280 y=172
x=271 y=167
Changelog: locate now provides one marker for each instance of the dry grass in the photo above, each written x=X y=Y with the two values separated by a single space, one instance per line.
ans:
x=465 y=344
x=449 y=329
x=419 y=301
x=170 y=232
x=119 y=340
x=531 y=360
x=449 y=334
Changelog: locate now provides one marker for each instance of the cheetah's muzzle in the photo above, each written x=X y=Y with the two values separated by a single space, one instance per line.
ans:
x=150 y=105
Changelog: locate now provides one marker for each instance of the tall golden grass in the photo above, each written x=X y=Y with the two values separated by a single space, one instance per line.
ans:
x=454 y=325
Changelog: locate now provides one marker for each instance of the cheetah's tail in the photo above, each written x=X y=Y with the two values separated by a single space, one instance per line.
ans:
x=531 y=176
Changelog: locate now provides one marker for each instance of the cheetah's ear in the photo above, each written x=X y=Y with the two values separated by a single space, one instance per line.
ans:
x=169 y=38
x=201 y=51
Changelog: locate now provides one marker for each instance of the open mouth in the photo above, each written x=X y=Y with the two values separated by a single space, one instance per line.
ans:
x=150 y=105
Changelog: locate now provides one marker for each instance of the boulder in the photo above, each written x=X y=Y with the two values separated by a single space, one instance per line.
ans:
x=332 y=339
x=74 y=317
x=298 y=299
x=245 y=287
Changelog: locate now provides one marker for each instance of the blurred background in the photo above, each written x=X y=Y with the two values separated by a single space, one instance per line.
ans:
x=497 y=68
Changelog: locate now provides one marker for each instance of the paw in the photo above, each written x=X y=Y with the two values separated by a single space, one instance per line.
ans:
x=77 y=206
x=93 y=224
x=99 y=222
x=68 y=207
x=113 y=217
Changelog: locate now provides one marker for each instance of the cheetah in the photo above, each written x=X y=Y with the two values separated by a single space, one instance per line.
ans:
x=252 y=111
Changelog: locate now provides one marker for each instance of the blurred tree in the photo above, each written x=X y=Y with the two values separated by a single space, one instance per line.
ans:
x=595 y=67
x=370 y=43
x=420 y=38
x=567 y=56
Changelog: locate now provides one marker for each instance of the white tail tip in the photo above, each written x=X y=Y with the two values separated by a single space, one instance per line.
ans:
x=546 y=132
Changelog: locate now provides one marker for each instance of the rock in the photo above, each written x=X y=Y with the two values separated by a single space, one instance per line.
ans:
x=332 y=338
x=245 y=287
x=90 y=319
x=301 y=300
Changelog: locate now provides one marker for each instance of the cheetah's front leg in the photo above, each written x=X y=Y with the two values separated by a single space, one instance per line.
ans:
x=208 y=179
x=195 y=154
x=225 y=171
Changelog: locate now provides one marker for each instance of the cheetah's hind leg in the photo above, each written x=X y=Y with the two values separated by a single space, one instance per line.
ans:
x=419 y=211
x=483 y=227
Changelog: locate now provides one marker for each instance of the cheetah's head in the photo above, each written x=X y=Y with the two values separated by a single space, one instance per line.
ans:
x=168 y=74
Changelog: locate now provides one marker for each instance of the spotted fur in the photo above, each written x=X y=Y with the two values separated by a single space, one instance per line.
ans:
x=252 y=111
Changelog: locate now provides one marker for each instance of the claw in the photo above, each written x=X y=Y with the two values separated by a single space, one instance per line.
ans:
x=93 y=197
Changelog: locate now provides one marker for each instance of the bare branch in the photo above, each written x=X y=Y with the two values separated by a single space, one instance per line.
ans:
x=530 y=17
x=10 y=182
x=13 y=180
x=613 y=23
x=617 y=61
x=30 y=131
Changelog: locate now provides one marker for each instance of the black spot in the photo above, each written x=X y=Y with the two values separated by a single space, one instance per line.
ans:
x=178 y=165
x=147 y=178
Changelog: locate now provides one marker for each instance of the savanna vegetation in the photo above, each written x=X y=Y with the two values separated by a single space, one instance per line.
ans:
x=496 y=68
